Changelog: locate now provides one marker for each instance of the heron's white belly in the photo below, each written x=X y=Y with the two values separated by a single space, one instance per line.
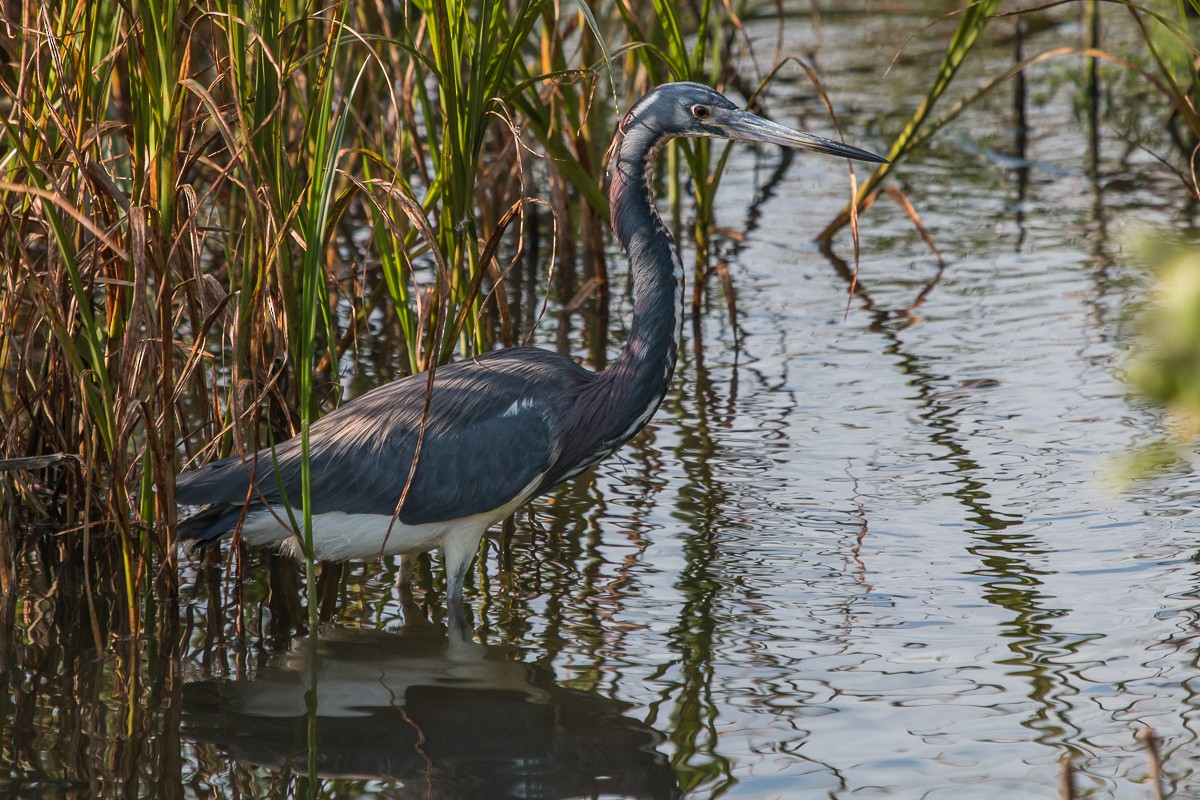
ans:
x=361 y=537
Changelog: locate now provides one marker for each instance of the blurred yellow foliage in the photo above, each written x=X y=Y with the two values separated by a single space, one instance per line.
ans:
x=1165 y=365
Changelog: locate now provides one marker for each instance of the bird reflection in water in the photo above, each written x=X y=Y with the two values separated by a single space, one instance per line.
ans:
x=443 y=717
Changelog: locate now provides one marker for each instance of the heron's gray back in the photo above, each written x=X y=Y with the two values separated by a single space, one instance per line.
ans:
x=492 y=429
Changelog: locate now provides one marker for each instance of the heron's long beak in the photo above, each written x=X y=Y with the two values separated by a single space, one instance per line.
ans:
x=744 y=125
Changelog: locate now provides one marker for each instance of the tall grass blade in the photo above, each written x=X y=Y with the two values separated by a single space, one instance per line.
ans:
x=973 y=21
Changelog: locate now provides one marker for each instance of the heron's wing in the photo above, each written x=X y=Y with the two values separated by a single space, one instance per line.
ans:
x=491 y=435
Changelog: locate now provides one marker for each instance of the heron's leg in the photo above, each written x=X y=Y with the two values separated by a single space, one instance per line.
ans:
x=458 y=550
x=408 y=562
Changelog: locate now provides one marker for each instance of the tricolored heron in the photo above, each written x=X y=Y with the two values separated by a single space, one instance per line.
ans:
x=502 y=427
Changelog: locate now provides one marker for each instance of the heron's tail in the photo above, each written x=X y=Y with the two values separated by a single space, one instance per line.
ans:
x=207 y=527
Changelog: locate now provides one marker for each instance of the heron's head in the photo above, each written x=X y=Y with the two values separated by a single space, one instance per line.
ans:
x=692 y=109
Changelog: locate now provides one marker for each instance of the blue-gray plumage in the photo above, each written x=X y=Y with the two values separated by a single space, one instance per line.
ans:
x=503 y=427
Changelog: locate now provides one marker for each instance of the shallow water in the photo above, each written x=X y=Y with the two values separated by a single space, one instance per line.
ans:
x=863 y=552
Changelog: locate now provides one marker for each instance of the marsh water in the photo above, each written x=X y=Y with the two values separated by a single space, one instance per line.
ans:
x=871 y=546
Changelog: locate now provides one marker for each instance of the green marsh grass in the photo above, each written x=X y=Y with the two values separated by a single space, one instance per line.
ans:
x=214 y=210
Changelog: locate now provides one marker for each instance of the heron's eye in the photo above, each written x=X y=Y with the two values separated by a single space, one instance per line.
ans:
x=701 y=112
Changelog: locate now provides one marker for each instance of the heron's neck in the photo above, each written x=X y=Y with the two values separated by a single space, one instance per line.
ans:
x=648 y=358
x=619 y=402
